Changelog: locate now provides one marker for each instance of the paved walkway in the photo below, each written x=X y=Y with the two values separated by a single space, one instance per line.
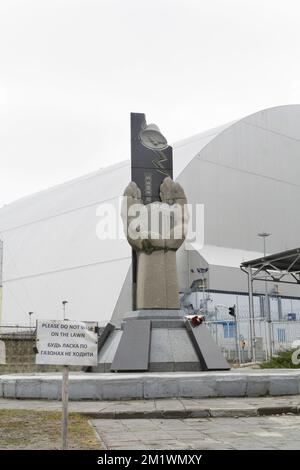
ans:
x=264 y=432
x=168 y=408
x=212 y=423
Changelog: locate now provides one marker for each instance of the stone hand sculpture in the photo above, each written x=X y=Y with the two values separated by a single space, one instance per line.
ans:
x=156 y=231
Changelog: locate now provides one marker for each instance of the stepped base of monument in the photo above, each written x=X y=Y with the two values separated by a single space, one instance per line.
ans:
x=111 y=386
x=158 y=341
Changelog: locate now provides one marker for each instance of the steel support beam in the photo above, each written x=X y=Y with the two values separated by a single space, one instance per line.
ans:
x=251 y=315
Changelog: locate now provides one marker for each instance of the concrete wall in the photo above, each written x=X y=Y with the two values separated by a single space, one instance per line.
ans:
x=20 y=356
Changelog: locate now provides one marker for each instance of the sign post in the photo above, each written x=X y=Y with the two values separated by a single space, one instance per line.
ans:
x=66 y=343
x=2 y=353
x=65 y=402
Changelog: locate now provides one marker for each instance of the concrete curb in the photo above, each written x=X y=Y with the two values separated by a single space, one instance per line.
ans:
x=83 y=386
x=196 y=413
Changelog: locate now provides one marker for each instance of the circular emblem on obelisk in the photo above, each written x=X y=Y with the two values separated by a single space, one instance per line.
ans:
x=152 y=138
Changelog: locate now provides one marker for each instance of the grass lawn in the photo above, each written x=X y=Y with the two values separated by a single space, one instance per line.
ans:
x=29 y=429
x=283 y=360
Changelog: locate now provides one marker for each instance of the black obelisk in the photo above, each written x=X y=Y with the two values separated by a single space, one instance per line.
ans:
x=151 y=163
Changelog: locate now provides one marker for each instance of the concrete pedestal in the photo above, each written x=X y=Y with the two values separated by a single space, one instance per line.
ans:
x=155 y=289
x=159 y=341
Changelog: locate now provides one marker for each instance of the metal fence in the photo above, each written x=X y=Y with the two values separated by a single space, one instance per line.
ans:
x=233 y=337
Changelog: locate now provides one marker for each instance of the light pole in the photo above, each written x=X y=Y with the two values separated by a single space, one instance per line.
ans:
x=64 y=302
x=264 y=235
x=30 y=313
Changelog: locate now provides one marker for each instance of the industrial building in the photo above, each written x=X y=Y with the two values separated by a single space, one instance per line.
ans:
x=246 y=175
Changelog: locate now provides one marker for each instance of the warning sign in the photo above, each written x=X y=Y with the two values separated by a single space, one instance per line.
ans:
x=66 y=343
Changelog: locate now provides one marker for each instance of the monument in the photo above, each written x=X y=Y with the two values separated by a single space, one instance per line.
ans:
x=155 y=338
x=156 y=335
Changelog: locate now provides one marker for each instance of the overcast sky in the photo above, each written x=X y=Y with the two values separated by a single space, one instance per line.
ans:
x=71 y=71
